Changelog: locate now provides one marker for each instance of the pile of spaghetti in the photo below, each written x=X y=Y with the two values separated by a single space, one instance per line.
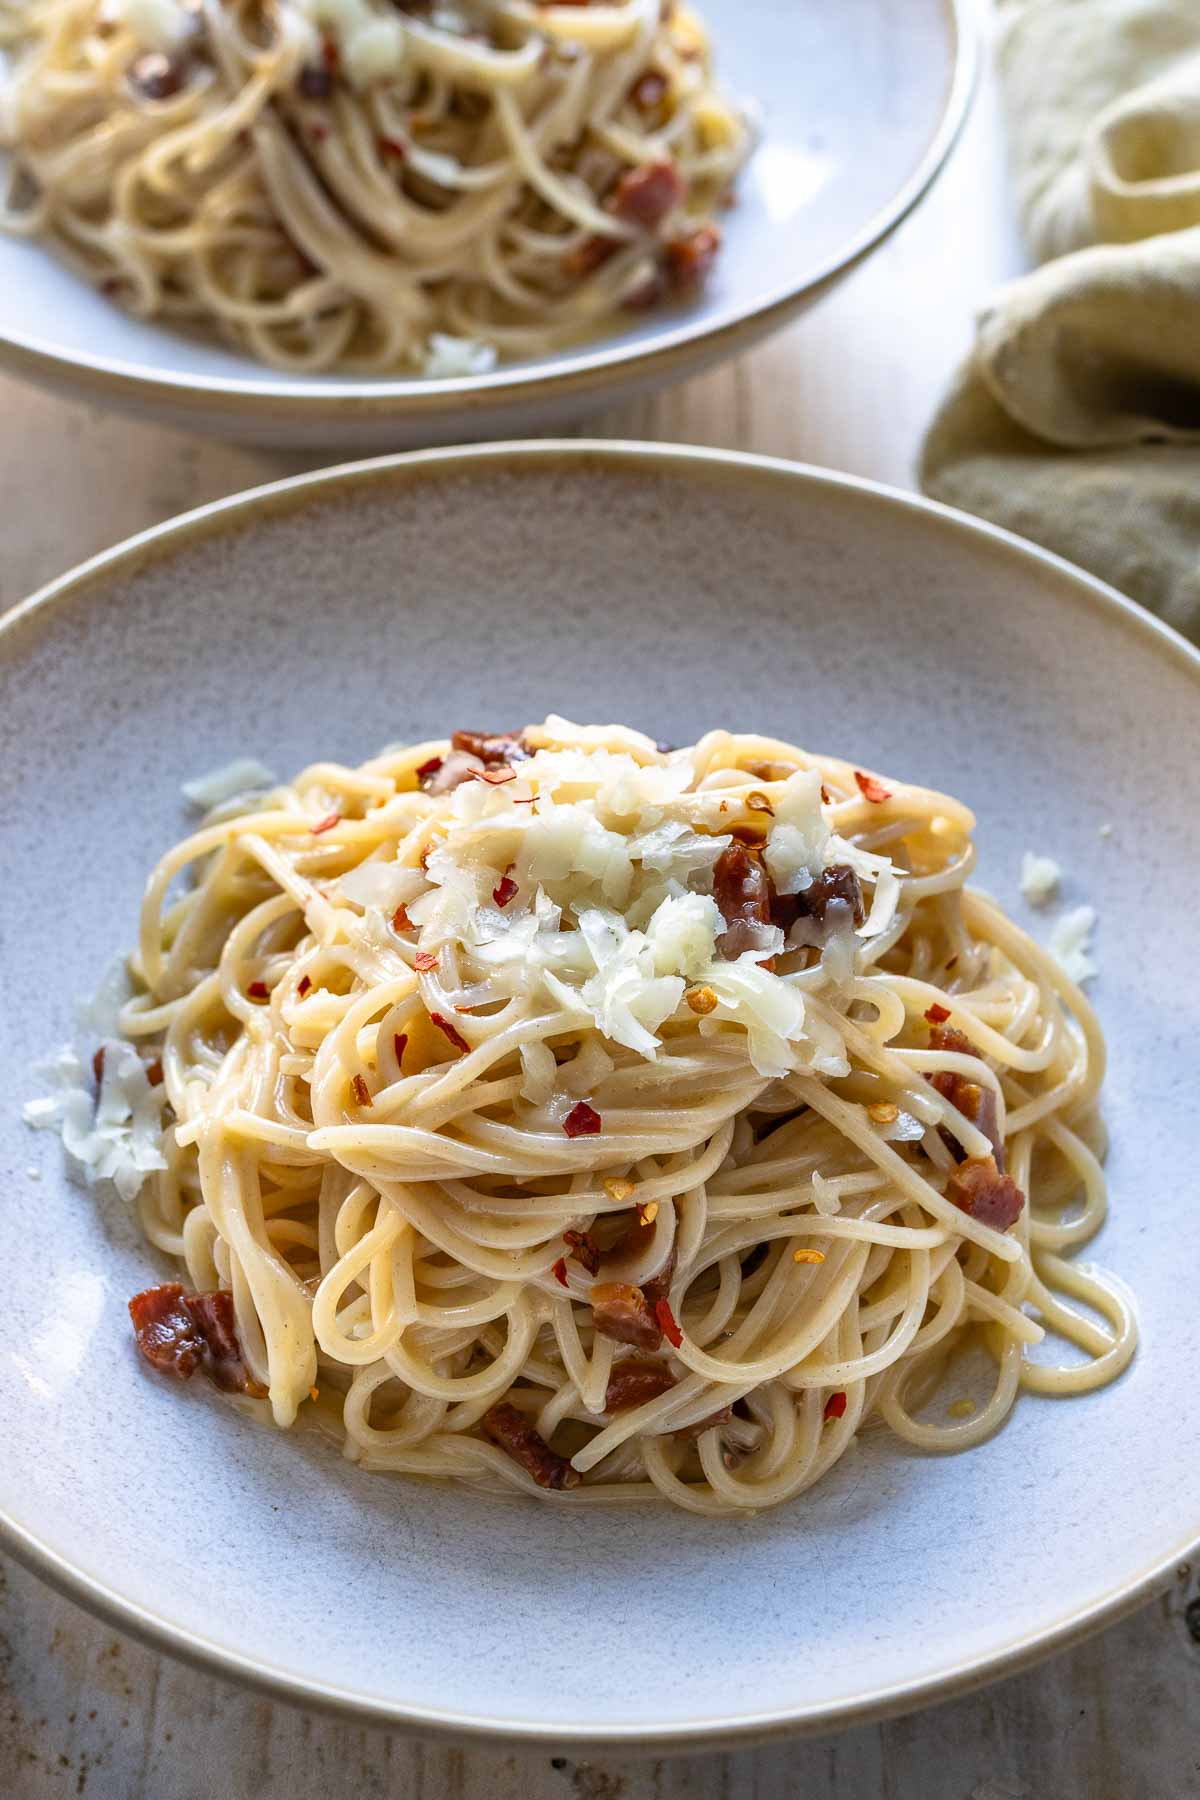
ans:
x=559 y=1112
x=367 y=186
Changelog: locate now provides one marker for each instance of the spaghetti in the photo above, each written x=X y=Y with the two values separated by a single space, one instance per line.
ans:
x=558 y=1112
x=356 y=185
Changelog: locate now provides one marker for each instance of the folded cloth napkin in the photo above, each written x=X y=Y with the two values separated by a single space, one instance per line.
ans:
x=1076 y=420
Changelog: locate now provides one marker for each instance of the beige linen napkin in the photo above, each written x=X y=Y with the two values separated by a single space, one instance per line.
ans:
x=1076 y=420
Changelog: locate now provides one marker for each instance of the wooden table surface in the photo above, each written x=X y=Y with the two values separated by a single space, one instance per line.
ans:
x=84 y=1712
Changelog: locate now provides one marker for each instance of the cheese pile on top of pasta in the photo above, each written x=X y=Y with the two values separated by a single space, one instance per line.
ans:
x=556 y=1111
x=361 y=185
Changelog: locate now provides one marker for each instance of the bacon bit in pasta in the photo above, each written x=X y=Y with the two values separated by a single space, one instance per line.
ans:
x=759 y=803
x=670 y=1326
x=157 y=77
x=559 y=1270
x=495 y=777
x=970 y=1098
x=430 y=767
x=181 y=1334
x=688 y=1433
x=937 y=1014
x=303 y=985
x=425 y=960
x=690 y=259
x=743 y=893
x=517 y=1438
x=660 y=1286
x=702 y=1000
x=327 y=823
x=98 y=1065
x=362 y=1092
x=883 y=1112
x=634 y=1383
x=983 y=1193
x=258 y=990
x=491 y=746
x=647 y=1212
x=808 y=1256
x=582 y=1121
x=399 y=1045
x=644 y=196
x=835 y=1406
x=584 y=1249
x=837 y=883
x=649 y=91
x=621 y=1311
x=401 y=920
x=330 y=54
x=504 y=890
x=871 y=788
x=392 y=146
x=456 y=1038
x=154 y=1072
x=618 y=1188
x=588 y=256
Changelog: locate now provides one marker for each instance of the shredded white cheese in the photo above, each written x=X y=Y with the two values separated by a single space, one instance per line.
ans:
x=115 y=1136
x=450 y=356
x=371 y=43
x=232 y=781
x=158 y=24
x=1071 y=943
x=1040 y=876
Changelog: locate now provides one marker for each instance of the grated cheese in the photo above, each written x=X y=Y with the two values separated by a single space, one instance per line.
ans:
x=113 y=1137
x=1071 y=943
x=232 y=781
x=450 y=356
x=158 y=24
x=1040 y=876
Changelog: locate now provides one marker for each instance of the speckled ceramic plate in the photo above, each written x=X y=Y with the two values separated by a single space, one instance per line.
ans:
x=861 y=101
x=673 y=589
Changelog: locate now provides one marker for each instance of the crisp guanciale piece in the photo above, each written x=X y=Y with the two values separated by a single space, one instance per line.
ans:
x=491 y=747
x=157 y=77
x=836 y=883
x=584 y=1249
x=622 y=1311
x=632 y=1383
x=689 y=259
x=743 y=893
x=688 y=1433
x=973 y=1100
x=182 y=1333
x=517 y=1438
x=645 y=195
x=983 y=1193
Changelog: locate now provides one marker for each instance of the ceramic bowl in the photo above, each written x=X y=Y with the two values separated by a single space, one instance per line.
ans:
x=860 y=105
x=672 y=589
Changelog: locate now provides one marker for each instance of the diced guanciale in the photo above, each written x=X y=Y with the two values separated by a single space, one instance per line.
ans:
x=743 y=893
x=584 y=1249
x=491 y=747
x=622 y=1312
x=689 y=259
x=972 y=1099
x=985 y=1194
x=518 y=1439
x=182 y=1334
x=632 y=1383
x=645 y=195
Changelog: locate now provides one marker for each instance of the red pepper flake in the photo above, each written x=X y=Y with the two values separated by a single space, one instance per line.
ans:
x=826 y=796
x=392 y=146
x=329 y=54
x=670 y=1326
x=429 y=768
x=456 y=1038
x=98 y=1065
x=582 y=1121
x=258 y=990
x=937 y=1014
x=318 y=132
x=303 y=985
x=835 y=1406
x=327 y=823
x=425 y=960
x=399 y=1041
x=362 y=1092
x=401 y=920
x=559 y=1270
x=154 y=1073
x=495 y=777
x=871 y=788
x=504 y=890
x=584 y=1249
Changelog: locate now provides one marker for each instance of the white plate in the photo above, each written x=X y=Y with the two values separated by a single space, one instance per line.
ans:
x=674 y=589
x=861 y=102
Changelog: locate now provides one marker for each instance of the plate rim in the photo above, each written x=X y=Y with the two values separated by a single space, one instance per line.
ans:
x=115 y=381
x=45 y=1560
